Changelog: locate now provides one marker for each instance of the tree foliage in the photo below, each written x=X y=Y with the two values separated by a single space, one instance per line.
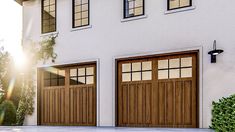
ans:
x=7 y=113
x=35 y=53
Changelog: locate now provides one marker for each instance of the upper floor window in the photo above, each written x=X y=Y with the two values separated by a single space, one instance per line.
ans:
x=133 y=8
x=48 y=16
x=80 y=13
x=176 y=4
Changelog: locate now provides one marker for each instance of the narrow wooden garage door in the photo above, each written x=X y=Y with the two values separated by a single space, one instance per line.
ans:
x=158 y=91
x=68 y=95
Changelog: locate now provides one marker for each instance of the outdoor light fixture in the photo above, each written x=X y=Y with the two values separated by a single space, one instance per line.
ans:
x=214 y=52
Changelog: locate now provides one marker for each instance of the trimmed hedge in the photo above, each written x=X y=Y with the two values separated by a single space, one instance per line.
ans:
x=7 y=113
x=223 y=115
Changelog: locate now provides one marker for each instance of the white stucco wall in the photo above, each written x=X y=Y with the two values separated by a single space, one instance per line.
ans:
x=109 y=37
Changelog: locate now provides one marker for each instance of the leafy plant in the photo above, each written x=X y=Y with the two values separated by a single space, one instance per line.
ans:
x=7 y=113
x=223 y=115
x=46 y=50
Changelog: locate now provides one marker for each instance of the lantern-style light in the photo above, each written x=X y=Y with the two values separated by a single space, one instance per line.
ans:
x=215 y=52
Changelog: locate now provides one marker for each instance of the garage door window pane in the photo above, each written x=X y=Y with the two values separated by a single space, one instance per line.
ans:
x=147 y=75
x=174 y=73
x=81 y=80
x=81 y=71
x=162 y=64
x=126 y=77
x=73 y=72
x=186 y=62
x=147 y=65
x=73 y=81
x=90 y=80
x=62 y=73
x=136 y=66
x=186 y=72
x=163 y=74
x=90 y=71
x=136 y=76
x=61 y=82
x=126 y=67
x=174 y=63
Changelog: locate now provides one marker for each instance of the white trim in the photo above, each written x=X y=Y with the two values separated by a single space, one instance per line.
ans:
x=48 y=34
x=81 y=28
x=97 y=60
x=133 y=18
x=180 y=10
x=164 y=52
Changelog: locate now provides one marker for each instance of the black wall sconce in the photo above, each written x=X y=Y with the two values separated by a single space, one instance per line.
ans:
x=215 y=52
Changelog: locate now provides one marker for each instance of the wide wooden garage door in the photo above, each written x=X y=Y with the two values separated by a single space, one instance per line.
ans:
x=158 y=91
x=68 y=95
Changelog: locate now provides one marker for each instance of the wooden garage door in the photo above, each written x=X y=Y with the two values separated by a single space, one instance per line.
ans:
x=159 y=91
x=68 y=95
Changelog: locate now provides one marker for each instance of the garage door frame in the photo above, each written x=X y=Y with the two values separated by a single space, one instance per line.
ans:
x=154 y=55
x=78 y=63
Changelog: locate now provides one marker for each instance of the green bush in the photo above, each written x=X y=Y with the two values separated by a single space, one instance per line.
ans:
x=223 y=115
x=7 y=113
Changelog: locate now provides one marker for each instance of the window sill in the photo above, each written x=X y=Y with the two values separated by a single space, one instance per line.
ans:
x=49 y=34
x=180 y=10
x=134 y=18
x=81 y=28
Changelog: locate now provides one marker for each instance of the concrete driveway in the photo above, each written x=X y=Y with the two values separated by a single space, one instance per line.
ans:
x=94 y=129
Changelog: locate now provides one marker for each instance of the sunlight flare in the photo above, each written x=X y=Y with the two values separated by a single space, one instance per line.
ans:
x=10 y=88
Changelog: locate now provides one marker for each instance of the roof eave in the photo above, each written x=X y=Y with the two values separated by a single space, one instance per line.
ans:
x=20 y=1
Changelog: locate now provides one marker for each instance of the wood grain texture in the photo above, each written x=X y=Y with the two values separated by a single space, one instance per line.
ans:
x=158 y=103
x=68 y=104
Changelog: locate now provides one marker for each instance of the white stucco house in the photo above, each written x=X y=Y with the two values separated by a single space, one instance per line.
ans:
x=131 y=63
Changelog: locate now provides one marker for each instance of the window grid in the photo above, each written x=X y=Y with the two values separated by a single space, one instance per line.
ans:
x=50 y=77
x=84 y=19
x=175 y=68
x=131 y=11
x=48 y=16
x=179 y=5
x=141 y=71
x=85 y=76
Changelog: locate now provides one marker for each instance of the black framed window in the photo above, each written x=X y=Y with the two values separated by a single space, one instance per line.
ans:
x=54 y=77
x=48 y=16
x=81 y=13
x=177 y=4
x=133 y=8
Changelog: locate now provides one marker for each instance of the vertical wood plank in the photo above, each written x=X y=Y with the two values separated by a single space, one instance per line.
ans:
x=187 y=103
x=178 y=103
x=90 y=96
x=162 y=104
x=170 y=104
x=132 y=110
x=140 y=104
x=84 y=104
x=148 y=103
x=125 y=105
